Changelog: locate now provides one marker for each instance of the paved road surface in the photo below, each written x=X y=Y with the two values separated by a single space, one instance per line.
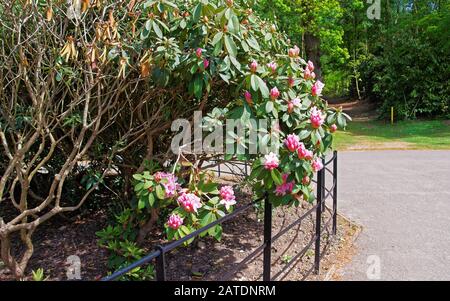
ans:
x=402 y=200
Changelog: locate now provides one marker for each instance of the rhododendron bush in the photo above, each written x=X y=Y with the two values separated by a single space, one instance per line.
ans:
x=90 y=89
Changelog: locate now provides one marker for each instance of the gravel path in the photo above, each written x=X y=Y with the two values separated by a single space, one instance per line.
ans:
x=402 y=201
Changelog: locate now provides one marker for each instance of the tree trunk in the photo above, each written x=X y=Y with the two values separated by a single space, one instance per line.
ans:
x=145 y=229
x=312 y=49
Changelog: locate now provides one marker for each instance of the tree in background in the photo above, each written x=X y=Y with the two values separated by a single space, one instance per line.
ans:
x=313 y=24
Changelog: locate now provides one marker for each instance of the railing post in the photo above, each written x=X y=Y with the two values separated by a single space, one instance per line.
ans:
x=267 y=260
x=318 y=219
x=335 y=183
x=218 y=169
x=161 y=265
x=323 y=185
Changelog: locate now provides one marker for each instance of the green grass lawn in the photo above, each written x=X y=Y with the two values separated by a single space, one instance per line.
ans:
x=417 y=134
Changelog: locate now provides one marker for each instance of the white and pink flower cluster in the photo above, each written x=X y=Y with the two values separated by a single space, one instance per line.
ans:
x=295 y=103
x=317 y=88
x=308 y=73
x=271 y=161
x=169 y=182
x=293 y=144
x=190 y=202
x=317 y=117
x=294 y=52
x=227 y=196
x=175 y=221
x=286 y=187
x=272 y=66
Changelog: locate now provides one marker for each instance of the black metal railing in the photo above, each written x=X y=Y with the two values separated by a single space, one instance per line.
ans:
x=322 y=193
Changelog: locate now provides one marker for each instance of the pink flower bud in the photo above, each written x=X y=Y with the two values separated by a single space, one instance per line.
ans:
x=291 y=82
x=310 y=66
x=253 y=66
x=248 y=97
x=274 y=93
x=306 y=180
x=272 y=66
x=294 y=52
x=290 y=107
x=205 y=63
x=198 y=52
x=304 y=153
x=292 y=142
x=333 y=128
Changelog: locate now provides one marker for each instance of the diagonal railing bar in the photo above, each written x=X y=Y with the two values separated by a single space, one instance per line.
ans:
x=298 y=256
x=298 y=221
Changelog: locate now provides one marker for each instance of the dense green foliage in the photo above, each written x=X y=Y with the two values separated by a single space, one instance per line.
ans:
x=399 y=60
x=411 y=70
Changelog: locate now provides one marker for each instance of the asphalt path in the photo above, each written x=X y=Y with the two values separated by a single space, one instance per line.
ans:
x=402 y=201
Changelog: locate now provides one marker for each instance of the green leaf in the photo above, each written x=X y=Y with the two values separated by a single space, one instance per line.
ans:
x=269 y=106
x=253 y=43
x=207 y=219
x=217 y=38
x=157 y=30
x=151 y=199
x=141 y=204
x=276 y=176
x=254 y=82
x=230 y=45
x=197 y=12
x=263 y=88
x=198 y=87
x=160 y=192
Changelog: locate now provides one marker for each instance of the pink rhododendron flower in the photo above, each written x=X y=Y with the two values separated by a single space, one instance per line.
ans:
x=297 y=102
x=291 y=82
x=308 y=74
x=227 y=193
x=274 y=93
x=333 y=128
x=310 y=66
x=317 y=165
x=292 y=142
x=198 y=52
x=317 y=118
x=190 y=202
x=284 y=188
x=168 y=181
x=205 y=63
x=317 y=88
x=227 y=197
x=304 y=153
x=253 y=66
x=294 y=52
x=271 y=161
x=175 y=221
x=272 y=66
